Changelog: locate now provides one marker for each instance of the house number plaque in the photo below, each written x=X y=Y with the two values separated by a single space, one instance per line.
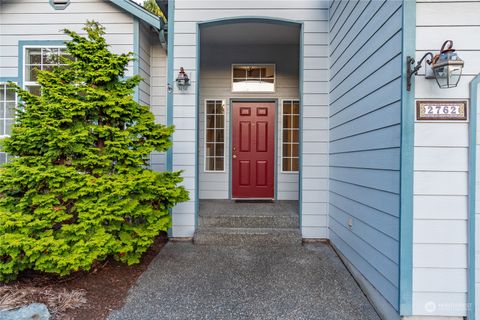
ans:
x=441 y=110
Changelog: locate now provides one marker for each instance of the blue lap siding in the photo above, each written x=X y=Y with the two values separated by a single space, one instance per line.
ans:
x=365 y=117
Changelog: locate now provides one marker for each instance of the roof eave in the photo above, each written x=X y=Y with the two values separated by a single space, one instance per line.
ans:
x=139 y=12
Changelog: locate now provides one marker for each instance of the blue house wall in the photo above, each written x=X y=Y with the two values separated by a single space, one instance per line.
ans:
x=365 y=117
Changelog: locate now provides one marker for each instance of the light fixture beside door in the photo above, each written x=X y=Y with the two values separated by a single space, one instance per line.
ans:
x=446 y=67
x=183 y=81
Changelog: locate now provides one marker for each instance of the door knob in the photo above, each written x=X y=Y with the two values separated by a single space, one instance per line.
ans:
x=234 y=156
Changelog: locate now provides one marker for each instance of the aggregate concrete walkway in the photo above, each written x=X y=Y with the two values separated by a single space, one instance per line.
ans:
x=187 y=281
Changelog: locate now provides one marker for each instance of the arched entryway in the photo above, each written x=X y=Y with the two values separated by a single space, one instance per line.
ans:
x=248 y=117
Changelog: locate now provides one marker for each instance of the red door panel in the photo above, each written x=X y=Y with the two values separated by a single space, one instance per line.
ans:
x=244 y=173
x=262 y=173
x=244 y=136
x=262 y=136
x=253 y=150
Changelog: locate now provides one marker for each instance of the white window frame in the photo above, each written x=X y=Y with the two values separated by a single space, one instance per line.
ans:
x=6 y=158
x=254 y=64
x=281 y=134
x=4 y=115
x=24 y=63
x=2 y=136
x=205 y=136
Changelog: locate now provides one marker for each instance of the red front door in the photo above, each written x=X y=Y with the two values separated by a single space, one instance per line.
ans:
x=253 y=150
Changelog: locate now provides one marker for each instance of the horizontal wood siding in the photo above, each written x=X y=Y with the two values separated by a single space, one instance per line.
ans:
x=365 y=71
x=158 y=96
x=441 y=166
x=215 y=81
x=314 y=15
x=37 y=20
x=144 y=64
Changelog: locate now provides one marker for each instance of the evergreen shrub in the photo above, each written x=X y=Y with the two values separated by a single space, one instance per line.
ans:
x=77 y=188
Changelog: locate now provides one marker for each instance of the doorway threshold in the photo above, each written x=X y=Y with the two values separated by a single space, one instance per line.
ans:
x=253 y=200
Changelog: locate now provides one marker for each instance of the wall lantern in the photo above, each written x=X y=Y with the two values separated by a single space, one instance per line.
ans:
x=446 y=66
x=183 y=82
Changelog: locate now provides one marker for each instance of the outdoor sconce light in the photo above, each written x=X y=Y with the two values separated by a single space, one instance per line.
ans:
x=446 y=66
x=183 y=82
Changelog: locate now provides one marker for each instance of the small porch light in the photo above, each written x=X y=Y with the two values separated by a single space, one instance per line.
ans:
x=446 y=67
x=183 y=82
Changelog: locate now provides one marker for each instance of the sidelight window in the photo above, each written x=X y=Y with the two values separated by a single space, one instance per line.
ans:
x=214 y=135
x=290 y=135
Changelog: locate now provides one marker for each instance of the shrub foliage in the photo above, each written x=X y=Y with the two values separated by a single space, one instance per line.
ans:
x=77 y=189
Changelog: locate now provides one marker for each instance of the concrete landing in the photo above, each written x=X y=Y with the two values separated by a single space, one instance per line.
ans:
x=187 y=281
x=248 y=236
x=226 y=222
x=230 y=207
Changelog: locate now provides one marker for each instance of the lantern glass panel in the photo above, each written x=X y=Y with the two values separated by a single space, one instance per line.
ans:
x=441 y=75
x=455 y=72
x=448 y=75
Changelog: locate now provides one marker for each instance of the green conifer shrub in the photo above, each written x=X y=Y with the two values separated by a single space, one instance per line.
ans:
x=77 y=189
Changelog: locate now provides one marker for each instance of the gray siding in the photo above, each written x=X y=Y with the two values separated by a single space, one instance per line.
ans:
x=314 y=14
x=37 y=20
x=152 y=89
x=145 y=42
x=365 y=71
x=215 y=83
x=441 y=166
x=158 y=96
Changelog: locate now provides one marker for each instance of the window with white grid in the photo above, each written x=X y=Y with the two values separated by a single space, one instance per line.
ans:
x=253 y=78
x=40 y=58
x=290 y=135
x=8 y=103
x=214 y=135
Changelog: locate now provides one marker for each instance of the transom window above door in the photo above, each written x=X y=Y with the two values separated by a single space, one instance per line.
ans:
x=253 y=78
x=41 y=58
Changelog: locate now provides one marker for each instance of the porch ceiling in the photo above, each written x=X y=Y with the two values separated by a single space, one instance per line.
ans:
x=250 y=33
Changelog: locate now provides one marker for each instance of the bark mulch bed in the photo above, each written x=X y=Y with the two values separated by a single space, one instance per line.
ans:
x=80 y=296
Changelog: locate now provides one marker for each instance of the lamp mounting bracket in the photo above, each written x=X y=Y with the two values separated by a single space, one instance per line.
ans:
x=413 y=71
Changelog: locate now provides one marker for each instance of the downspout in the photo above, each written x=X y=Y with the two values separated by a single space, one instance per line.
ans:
x=162 y=36
x=163 y=30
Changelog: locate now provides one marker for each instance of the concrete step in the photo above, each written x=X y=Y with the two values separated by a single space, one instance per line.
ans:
x=248 y=236
x=248 y=221
x=225 y=207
